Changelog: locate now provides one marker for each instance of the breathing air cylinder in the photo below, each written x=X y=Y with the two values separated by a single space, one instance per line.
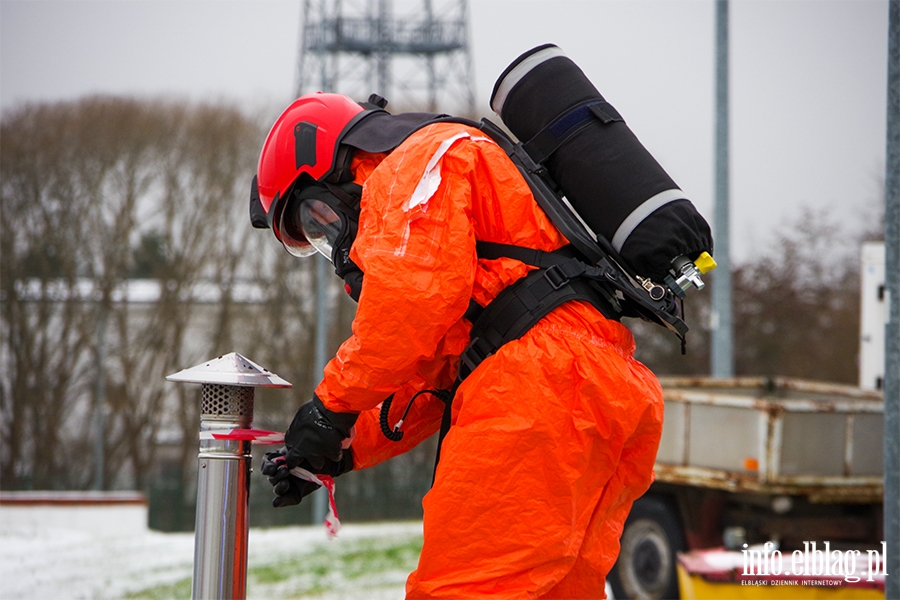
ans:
x=617 y=188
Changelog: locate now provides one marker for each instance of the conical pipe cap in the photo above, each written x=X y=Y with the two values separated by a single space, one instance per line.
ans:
x=231 y=369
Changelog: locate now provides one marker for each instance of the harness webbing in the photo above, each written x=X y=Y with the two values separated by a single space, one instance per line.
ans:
x=589 y=270
x=559 y=278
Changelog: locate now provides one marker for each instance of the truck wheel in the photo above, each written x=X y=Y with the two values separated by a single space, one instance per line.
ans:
x=651 y=539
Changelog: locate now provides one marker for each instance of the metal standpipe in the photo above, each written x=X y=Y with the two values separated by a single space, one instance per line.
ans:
x=223 y=480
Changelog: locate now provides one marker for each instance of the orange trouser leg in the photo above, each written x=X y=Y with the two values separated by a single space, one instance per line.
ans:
x=523 y=490
x=600 y=549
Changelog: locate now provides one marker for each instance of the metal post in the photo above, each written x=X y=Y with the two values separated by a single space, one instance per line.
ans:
x=223 y=479
x=722 y=353
x=892 y=328
x=100 y=399
x=319 y=498
x=383 y=49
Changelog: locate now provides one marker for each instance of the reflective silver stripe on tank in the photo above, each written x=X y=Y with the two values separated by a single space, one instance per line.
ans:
x=520 y=71
x=642 y=212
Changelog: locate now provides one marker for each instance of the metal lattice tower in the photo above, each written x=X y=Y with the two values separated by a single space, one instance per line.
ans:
x=415 y=53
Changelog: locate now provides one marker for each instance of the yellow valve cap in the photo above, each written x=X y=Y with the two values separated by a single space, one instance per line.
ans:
x=705 y=263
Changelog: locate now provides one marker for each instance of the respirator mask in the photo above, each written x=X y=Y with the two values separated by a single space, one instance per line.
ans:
x=324 y=217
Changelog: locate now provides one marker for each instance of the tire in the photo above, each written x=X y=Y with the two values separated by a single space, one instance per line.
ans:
x=651 y=539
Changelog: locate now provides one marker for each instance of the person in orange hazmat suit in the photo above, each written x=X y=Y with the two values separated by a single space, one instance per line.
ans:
x=550 y=439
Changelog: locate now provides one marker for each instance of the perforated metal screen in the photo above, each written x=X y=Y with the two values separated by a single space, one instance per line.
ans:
x=226 y=400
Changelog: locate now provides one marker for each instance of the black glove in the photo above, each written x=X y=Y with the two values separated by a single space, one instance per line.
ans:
x=316 y=435
x=290 y=490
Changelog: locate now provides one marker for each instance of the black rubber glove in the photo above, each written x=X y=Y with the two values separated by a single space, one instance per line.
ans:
x=290 y=490
x=316 y=435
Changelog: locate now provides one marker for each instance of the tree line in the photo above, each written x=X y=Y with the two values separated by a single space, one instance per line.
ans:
x=104 y=191
x=96 y=193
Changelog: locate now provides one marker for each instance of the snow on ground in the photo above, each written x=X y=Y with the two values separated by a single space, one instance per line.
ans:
x=60 y=553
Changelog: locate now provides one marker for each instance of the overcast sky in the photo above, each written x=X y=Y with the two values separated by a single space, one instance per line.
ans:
x=807 y=85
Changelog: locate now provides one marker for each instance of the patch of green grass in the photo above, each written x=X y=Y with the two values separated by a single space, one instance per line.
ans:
x=331 y=565
x=173 y=591
x=373 y=555
x=361 y=562
x=270 y=574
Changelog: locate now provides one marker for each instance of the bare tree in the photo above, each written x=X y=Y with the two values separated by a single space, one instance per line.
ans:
x=85 y=185
x=796 y=310
x=46 y=327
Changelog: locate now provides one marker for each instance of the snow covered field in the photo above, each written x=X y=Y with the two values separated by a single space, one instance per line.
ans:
x=102 y=552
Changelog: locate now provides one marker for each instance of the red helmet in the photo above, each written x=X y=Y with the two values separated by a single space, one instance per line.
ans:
x=313 y=140
x=305 y=140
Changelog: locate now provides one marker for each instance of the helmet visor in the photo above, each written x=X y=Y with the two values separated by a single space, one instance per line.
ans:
x=290 y=231
x=310 y=225
x=320 y=224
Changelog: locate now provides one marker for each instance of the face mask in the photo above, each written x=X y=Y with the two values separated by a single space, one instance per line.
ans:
x=320 y=225
x=324 y=218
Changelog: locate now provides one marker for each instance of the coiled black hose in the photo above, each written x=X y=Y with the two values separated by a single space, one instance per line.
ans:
x=395 y=434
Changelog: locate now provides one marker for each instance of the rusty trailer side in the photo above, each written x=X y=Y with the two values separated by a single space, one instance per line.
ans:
x=773 y=436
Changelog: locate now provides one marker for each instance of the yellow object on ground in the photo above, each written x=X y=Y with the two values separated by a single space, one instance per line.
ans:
x=716 y=574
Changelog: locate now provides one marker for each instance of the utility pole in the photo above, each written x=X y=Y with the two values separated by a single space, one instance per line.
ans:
x=892 y=328
x=103 y=309
x=319 y=499
x=722 y=352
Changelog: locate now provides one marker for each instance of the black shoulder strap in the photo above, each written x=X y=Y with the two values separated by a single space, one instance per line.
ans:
x=593 y=249
x=529 y=256
x=517 y=308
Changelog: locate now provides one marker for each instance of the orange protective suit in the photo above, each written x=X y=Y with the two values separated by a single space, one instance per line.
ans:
x=552 y=438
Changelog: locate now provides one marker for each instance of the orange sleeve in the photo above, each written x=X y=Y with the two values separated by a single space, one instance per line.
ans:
x=422 y=209
x=416 y=246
